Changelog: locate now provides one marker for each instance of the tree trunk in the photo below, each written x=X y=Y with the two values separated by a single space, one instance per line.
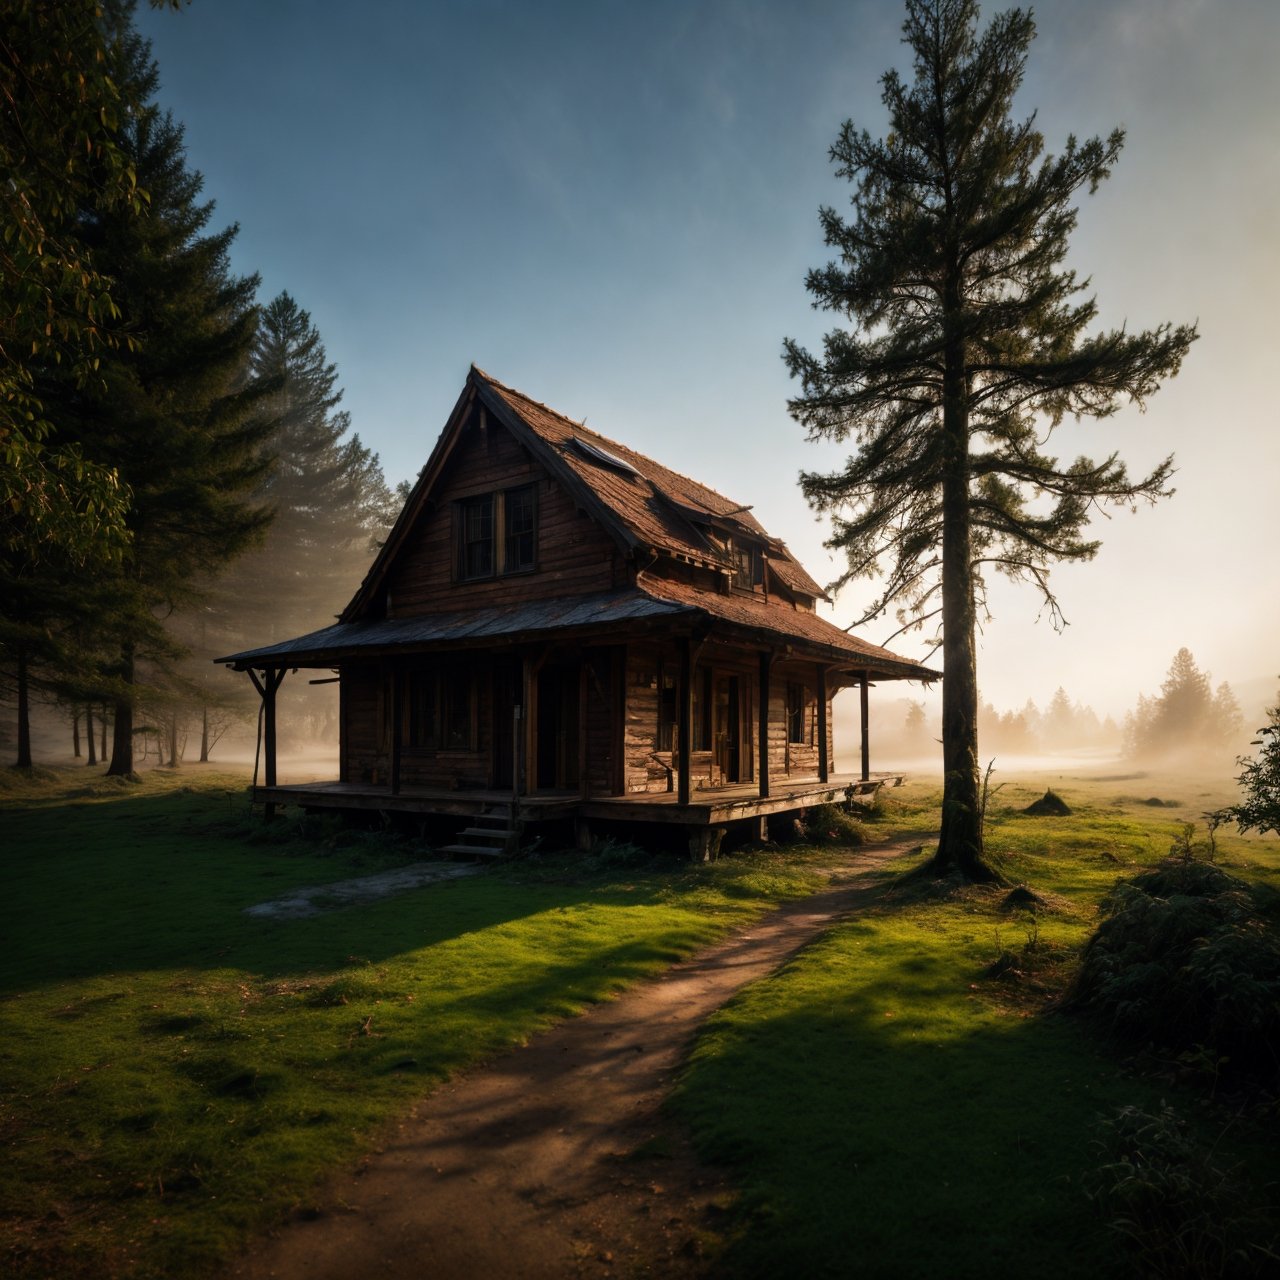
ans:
x=24 y=712
x=960 y=840
x=204 y=735
x=75 y=733
x=102 y=754
x=173 y=741
x=88 y=723
x=122 y=739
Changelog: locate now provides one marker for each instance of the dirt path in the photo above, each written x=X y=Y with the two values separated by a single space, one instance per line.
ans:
x=528 y=1169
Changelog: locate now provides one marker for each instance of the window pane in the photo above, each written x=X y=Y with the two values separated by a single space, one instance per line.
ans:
x=477 y=537
x=456 y=696
x=422 y=709
x=520 y=519
x=795 y=712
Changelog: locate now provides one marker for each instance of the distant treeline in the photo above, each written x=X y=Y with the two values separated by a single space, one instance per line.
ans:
x=1187 y=717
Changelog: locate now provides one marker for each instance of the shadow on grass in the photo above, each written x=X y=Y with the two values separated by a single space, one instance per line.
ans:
x=156 y=882
x=884 y=1125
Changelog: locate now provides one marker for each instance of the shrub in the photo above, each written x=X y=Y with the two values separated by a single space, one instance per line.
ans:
x=831 y=824
x=1187 y=958
x=1178 y=1212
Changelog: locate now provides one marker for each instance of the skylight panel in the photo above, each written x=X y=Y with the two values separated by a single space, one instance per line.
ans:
x=602 y=457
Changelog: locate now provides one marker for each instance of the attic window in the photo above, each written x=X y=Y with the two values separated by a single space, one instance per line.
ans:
x=750 y=565
x=602 y=457
x=496 y=533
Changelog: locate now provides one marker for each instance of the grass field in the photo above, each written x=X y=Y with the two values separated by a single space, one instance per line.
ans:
x=178 y=1074
x=891 y=1108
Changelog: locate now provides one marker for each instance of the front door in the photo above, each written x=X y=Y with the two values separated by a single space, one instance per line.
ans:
x=506 y=697
x=557 y=734
x=728 y=728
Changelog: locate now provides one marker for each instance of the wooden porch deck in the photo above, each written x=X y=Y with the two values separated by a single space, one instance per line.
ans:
x=711 y=807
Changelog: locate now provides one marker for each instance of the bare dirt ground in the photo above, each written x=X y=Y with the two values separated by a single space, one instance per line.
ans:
x=555 y=1160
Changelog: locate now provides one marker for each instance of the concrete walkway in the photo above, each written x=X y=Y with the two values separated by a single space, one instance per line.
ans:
x=346 y=893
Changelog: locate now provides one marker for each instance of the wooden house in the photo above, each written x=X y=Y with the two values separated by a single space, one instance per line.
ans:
x=562 y=626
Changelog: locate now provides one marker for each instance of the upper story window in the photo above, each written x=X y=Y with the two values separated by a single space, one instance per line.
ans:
x=750 y=562
x=497 y=533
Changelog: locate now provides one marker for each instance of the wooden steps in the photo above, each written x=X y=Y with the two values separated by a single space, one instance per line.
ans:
x=495 y=835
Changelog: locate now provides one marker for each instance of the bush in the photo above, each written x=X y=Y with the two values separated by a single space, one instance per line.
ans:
x=1187 y=958
x=1178 y=1212
x=831 y=824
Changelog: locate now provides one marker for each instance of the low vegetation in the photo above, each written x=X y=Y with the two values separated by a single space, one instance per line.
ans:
x=906 y=1098
x=179 y=1073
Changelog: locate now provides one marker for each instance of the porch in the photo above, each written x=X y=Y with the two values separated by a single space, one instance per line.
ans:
x=704 y=816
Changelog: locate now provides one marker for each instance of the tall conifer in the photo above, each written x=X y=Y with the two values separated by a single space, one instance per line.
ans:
x=968 y=345
x=176 y=413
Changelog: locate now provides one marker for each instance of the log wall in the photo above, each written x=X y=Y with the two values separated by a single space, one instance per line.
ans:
x=365 y=754
x=574 y=555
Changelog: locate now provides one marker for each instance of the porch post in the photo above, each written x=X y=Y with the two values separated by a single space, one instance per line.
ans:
x=684 y=721
x=824 y=764
x=866 y=745
x=762 y=769
x=397 y=722
x=271 y=681
x=531 y=669
x=584 y=757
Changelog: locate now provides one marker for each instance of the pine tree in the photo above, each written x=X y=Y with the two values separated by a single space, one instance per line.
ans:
x=326 y=491
x=175 y=413
x=329 y=502
x=1186 y=717
x=969 y=345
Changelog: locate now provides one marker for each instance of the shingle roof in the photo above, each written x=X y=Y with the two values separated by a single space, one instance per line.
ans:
x=435 y=630
x=652 y=599
x=656 y=506
x=780 y=619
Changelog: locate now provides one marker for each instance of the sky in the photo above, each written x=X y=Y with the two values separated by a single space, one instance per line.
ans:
x=612 y=206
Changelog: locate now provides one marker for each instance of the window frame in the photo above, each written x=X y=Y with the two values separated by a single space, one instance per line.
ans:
x=797 y=715
x=497 y=507
x=438 y=699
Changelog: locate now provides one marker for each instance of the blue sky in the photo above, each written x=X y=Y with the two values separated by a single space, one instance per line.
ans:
x=612 y=206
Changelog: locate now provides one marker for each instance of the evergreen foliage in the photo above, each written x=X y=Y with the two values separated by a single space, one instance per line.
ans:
x=60 y=147
x=329 y=501
x=175 y=412
x=329 y=504
x=1260 y=781
x=1187 y=716
x=968 y=346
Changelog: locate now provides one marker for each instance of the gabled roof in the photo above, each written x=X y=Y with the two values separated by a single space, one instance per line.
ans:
x=642 y=505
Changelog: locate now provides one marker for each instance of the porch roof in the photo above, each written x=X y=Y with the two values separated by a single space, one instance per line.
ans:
x=650 y=601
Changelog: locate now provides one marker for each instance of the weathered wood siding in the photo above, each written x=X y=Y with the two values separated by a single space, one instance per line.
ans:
x=574 y=555
x=602 y=715
x=797 y=759
x=365 y=754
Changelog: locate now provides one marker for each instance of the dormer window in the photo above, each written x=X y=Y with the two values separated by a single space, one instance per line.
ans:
x=750 y=566
x=496 y=533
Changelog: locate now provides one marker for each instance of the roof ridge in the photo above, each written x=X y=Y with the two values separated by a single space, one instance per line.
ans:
x=608 y=440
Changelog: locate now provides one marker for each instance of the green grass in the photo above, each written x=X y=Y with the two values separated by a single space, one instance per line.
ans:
x=178 y=1074
x=890 y=1109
